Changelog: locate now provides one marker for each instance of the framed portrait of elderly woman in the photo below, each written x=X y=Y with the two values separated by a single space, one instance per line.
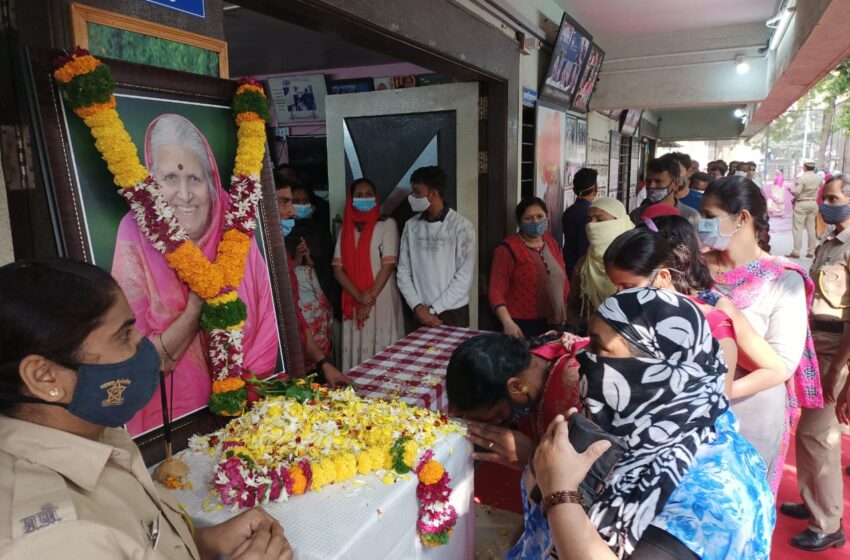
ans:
x=183 y=128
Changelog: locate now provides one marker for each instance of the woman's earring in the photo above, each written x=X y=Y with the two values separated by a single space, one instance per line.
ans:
x=54 y=392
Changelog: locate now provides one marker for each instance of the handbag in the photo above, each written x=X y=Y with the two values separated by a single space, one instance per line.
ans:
x=582 y=434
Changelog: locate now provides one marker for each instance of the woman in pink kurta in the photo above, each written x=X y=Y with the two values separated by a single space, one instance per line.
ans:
x=159 y=298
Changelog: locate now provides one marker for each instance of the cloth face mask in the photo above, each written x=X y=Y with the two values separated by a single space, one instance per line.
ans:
x=834 y=214
x=418 y=204
x=534 y=229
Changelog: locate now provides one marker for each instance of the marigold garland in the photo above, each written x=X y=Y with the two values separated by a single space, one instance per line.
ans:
x=284 y=447
x=88 y=88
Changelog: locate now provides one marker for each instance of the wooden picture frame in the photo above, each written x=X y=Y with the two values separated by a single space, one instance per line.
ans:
x=67 y=165
x=190 y=45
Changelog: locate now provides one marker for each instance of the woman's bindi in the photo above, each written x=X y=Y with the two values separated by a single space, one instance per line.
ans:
x=180 y=166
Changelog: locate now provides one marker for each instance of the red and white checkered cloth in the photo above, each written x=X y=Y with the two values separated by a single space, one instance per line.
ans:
x=413 y=369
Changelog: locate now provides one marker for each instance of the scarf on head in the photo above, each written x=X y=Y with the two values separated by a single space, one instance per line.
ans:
x=595 y=284
x=663 y=406
x=356 y=256
x=746 y=283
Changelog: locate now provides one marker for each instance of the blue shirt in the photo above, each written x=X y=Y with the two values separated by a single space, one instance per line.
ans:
x=693 y=199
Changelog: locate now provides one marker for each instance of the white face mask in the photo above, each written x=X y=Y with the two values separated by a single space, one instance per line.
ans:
x=418 y=204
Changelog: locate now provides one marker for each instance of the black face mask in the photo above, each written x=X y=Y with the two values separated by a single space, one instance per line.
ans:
x=110 y=394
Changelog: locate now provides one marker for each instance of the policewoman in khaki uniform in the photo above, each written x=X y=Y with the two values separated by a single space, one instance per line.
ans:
x=819 y=473
x=73 y=369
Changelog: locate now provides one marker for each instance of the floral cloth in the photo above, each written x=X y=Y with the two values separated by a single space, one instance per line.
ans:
x=721 y=510
x=316 y=309
x=663 y=406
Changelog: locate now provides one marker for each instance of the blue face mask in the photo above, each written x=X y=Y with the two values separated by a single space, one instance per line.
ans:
x=286 y=226
x=534 y=229
x=110 y=394
x=364 y=204
x=303 y=211
x=710 y=235
x=834 y=214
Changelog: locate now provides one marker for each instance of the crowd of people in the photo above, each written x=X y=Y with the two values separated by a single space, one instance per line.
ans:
x=693 y=350
x=692 y=344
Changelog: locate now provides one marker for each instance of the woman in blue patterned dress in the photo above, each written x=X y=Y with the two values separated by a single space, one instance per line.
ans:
x=688 y=485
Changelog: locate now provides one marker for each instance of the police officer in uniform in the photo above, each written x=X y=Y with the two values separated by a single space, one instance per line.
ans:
x=819 y=473
x=805 y=195
x=73 y=370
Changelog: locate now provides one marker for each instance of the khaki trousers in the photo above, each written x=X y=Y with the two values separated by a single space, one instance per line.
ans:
x=805 y=216
x=819 y=473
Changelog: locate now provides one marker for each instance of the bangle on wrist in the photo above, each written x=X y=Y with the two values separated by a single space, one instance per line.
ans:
x=165 y=350
x=561 y=497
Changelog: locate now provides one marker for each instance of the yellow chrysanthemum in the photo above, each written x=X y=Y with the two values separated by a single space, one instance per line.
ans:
x=364 y=462
x=410 y=452
x=229 y=297
x=250 y=149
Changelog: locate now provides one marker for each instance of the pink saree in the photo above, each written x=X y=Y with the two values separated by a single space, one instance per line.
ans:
x=158 y=297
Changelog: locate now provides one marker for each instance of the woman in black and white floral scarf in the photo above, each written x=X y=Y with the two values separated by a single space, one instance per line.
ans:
x=653 y=375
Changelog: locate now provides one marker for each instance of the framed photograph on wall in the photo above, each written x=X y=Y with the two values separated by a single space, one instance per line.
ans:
x=110 y=35
x=581 y=98
x=298 y=99
x=382 y=84
x=549 y=148
x=192 y=112
x=357 y=85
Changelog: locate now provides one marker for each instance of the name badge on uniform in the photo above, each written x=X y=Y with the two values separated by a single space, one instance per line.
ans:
x=45 y=517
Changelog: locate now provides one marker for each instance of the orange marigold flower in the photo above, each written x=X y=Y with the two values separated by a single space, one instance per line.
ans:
x=250 y=87
x=77 y=66
x=229 y=384
x=232 y=253
x=247 y=116
x=431 y=473
x=196 y=270
x=84 y=112
x=299 y=481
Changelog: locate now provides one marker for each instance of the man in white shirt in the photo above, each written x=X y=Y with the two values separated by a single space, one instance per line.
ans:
x=437 y=254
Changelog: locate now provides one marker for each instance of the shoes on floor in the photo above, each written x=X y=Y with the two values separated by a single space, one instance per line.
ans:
x=815 y=542
x=795 y=510
x=793 y=255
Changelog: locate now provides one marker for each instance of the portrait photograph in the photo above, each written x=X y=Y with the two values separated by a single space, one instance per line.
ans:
x=189 y=147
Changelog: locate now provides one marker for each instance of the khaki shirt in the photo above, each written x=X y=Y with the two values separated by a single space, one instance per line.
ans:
x=807 y=186
x=64 y=496
x=831 y=274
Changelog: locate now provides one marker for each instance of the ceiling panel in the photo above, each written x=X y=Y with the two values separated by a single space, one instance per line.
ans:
x=638 y=17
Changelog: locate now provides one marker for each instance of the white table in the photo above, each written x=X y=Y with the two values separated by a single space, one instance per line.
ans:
x=362 y=518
